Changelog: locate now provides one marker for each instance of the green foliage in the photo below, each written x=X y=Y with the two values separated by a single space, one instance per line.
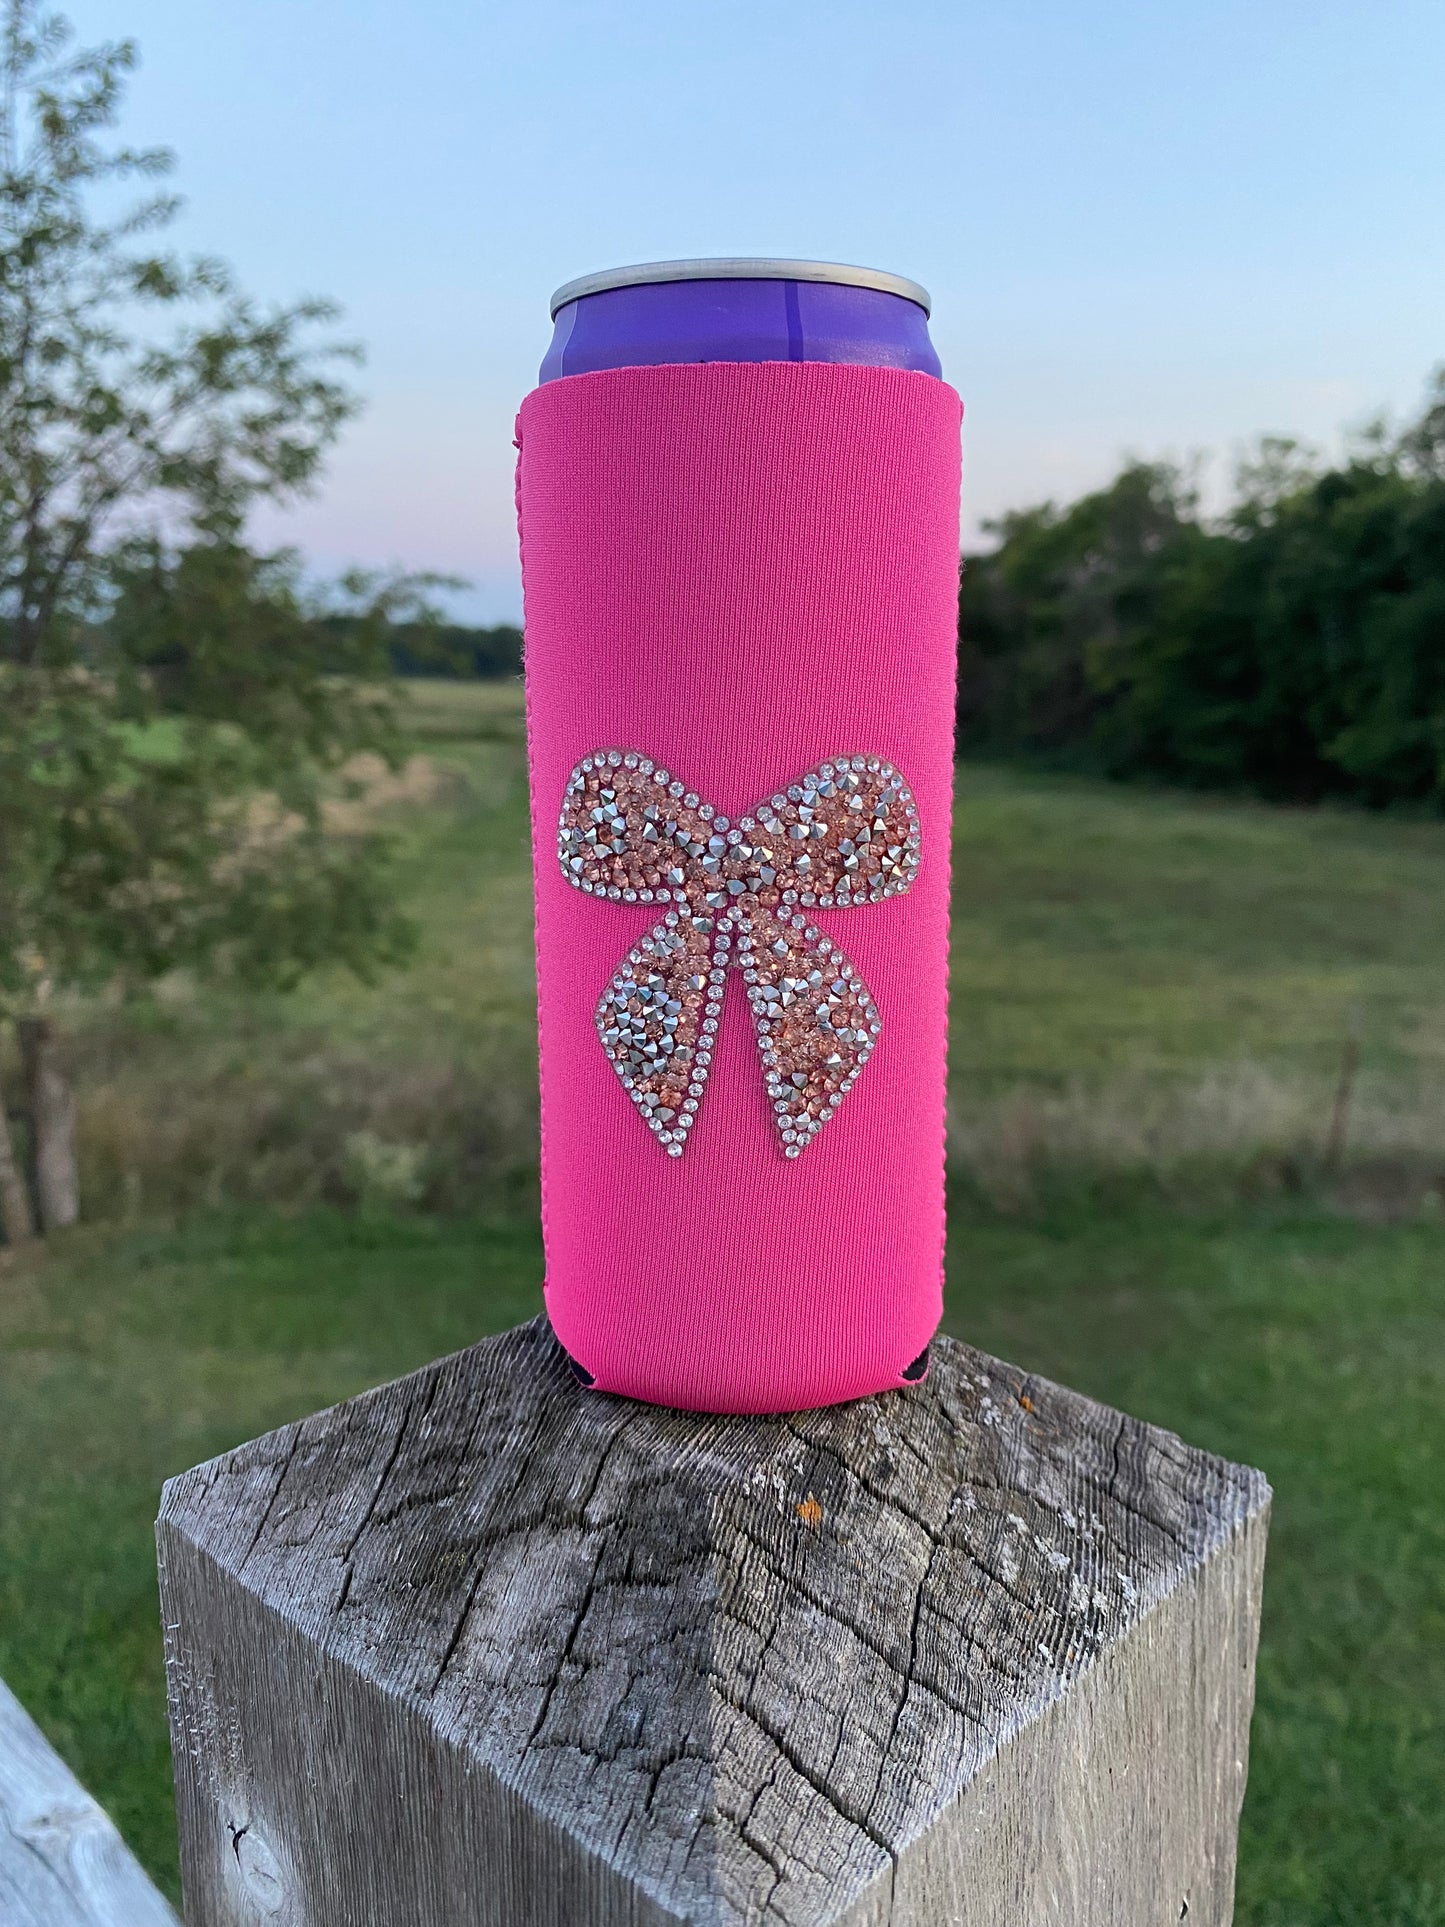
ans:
x=417 y=1088
x=1041 y=615
x=452 y=651
x=174 y=712
x=1295 y=649
x=161 y=804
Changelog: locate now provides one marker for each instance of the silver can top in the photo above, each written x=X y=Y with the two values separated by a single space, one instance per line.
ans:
x=741 y=269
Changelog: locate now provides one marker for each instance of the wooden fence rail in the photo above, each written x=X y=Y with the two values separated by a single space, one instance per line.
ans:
x=62 y=1863
x=482 y=1648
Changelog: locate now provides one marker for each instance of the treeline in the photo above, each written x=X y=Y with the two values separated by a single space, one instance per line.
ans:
x=449 y=649
x=1294 y=647
x=422 y=644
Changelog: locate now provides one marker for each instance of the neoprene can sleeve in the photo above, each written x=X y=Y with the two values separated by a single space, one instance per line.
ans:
x=740 y=587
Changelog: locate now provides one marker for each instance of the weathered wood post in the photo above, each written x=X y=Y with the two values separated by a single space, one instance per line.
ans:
x=62 y=1863
x=482 y=1647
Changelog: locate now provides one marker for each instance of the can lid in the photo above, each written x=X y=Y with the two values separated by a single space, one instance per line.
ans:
x=741 y=269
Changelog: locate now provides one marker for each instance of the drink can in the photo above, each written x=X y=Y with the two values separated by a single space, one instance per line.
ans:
x=704 y=311
x=738 y=493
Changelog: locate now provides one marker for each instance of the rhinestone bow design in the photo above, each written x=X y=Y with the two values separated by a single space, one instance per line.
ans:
x=845 y=833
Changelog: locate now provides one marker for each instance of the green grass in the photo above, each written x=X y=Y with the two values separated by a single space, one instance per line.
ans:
x=1104 y=929
x=124 y=1360
x=1312 y=1346
x=1151 y=994
x=1308 y=1344
x=1142 y=984
x=204 y=1097
x=1148 y=982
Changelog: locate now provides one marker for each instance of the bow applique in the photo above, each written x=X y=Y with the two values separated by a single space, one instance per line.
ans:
x=845 y=833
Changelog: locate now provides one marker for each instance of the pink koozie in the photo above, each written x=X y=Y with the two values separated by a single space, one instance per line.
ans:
x=741 y=605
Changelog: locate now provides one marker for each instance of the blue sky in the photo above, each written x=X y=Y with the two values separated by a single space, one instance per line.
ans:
x=1147 y=228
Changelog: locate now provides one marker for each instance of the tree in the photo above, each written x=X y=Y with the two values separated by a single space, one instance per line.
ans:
x=1044 y=617
x=1302 y=653
x=174 y=712
x=1293 y=647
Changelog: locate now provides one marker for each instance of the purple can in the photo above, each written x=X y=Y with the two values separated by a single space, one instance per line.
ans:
x=739 y=310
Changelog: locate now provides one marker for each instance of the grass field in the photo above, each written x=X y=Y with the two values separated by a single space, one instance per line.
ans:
x=1142 y=984
x=1151 y=999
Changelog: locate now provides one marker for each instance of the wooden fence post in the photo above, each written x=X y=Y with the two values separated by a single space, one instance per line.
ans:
x=62 y=1863
x=482 y=1647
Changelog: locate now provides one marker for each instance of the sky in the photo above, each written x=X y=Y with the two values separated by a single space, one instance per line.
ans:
x=1148 y=229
